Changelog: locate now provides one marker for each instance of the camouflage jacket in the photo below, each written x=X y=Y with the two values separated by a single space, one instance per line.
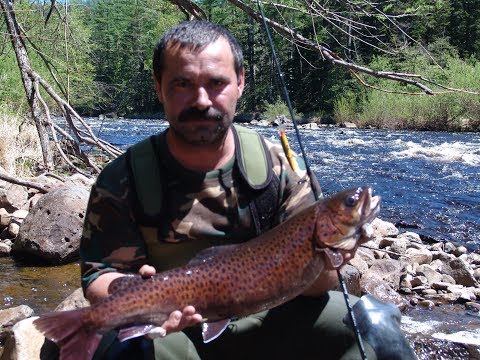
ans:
x=203 y=210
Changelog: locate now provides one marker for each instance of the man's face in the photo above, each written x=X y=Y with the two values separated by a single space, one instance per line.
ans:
x=199 y=92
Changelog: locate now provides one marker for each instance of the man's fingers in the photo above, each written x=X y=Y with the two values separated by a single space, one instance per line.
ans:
x=147 y=271
x=177 y=320
x=156 y=332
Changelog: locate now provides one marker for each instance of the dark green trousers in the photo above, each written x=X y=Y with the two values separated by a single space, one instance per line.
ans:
x=304 y=328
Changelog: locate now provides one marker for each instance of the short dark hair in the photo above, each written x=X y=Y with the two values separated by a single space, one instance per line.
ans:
x=195 y=35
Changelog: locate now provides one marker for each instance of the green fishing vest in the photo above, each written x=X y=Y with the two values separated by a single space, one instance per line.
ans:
x=252 y=159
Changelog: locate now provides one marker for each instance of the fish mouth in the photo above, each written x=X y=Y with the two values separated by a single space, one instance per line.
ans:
x=371 y=206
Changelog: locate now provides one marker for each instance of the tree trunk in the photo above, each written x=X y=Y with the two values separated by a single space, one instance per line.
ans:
x=38 y=114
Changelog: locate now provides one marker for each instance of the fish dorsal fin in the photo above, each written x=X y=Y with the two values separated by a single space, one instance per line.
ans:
x=207 y=254
x=123 y=282
x=212 y=330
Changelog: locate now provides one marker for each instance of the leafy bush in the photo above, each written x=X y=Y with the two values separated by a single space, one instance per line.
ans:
x=447 y=110
x=279 y=108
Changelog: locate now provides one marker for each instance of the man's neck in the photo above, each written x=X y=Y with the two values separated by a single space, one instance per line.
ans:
x=202 y=158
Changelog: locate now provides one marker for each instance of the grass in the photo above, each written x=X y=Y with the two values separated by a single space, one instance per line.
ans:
x=19 y=146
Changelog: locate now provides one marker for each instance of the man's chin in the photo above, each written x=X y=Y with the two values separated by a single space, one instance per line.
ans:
x=202 y=137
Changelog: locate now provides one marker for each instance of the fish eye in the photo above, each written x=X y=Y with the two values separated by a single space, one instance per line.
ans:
x=351 y=201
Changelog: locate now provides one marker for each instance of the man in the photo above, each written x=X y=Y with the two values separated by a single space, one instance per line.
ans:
x=199 y=77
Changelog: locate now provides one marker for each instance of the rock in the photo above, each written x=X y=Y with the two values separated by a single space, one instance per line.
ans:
x=382 y=229
x=19 y=215
x=430 y=274
x=442 y=257
x=449 y=247
x=34 y=199
x=366 y=255
x=27 y=343
x=460 y=272
x=351 y=276
x=12 y=315
x=75 y=300
x=476 y=274
x=24 y=343
x=359 y=263
x=419 y=281
x=13 y=197
x=419 y=256
x=389 y=270
x=51 y=231
x=13 y=229
x=399 y=248
x=80 y=180
x=5 y=218
x=410 y=237
x=5 y=249
x=443 y=299
x=459 y=251
x=375 y=286
x=406 y=282
x=310 y=126
x=385 y=242
x=429 y=292
x=427 y=304
x=348 y=125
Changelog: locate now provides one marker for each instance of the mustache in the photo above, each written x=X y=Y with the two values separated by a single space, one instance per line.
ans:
x=194 y=113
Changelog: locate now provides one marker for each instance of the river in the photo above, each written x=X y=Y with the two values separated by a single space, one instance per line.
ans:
x=429 y=183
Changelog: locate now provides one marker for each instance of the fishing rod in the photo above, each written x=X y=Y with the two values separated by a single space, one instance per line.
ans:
x=309 y=173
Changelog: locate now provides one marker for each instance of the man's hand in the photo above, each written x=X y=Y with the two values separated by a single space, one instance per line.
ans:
x=178 y=320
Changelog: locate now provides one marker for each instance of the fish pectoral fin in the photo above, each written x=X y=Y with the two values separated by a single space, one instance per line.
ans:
x=135 y=331
x=212 y=330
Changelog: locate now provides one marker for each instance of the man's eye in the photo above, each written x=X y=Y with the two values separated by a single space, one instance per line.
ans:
x=218 y=83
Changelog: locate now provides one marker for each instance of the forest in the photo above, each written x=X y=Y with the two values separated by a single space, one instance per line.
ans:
x=97 y=55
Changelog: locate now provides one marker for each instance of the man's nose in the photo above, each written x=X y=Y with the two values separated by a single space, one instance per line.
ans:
x=202 y=99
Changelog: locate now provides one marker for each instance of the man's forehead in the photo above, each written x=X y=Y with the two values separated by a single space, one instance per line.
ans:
x=175 y=48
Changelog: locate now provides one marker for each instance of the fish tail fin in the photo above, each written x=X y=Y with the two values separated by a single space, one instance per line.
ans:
x=67 y=329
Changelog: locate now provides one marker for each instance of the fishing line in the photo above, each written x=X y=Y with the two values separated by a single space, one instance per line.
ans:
x=289 y=104
x=309 y=173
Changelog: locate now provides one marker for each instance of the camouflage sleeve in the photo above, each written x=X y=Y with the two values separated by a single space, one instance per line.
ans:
x=111 y=240
x=295 y=192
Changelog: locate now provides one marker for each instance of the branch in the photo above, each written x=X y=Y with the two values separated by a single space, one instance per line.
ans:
x=69 y=112
x=335 y=59
x=315 y=9
x=22 y=182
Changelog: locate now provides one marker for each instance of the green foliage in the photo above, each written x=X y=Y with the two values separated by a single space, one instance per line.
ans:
x=110 y=45
x=48 y=53
x=123 y=36
x=447 y=111
x=279 y=108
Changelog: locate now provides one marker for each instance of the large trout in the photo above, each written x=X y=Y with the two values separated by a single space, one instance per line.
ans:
x=222 y=282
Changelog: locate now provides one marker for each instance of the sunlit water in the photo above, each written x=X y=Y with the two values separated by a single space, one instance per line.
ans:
x=429 y=183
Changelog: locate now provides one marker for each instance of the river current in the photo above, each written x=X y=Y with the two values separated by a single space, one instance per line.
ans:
x=429 y=181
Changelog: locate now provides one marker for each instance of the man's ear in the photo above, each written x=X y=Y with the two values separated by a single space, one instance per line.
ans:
x=158 y=89
x=241 y=83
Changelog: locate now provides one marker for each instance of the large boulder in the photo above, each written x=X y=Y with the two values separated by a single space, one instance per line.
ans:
x=51 y=232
